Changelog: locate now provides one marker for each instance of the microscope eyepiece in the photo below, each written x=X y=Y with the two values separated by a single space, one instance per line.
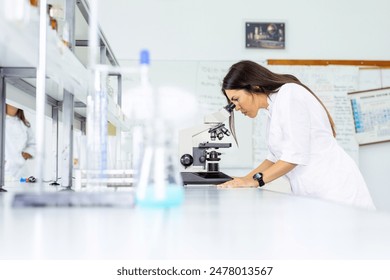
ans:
x=230 y=107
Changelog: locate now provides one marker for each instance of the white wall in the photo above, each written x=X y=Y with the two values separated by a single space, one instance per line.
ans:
x=374 y=162
x=214 y=29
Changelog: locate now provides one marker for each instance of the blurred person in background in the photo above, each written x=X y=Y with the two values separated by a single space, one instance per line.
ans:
x=19 y=143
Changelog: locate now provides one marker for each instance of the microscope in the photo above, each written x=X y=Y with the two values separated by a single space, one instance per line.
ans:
x=198 y=147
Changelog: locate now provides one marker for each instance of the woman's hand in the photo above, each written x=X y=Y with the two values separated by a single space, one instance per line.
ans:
x=240 y=182
x=26 y=156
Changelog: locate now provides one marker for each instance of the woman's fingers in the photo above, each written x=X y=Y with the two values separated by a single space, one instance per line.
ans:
x=237 y=183
x=232 y=183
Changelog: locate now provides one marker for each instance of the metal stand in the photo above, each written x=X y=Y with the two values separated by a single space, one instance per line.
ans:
x=2 y=190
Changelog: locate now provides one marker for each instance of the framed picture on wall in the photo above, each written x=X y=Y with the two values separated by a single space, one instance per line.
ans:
x=371 y=115
x=265 y=35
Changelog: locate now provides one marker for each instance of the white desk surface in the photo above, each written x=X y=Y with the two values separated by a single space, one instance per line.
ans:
x=211 y=224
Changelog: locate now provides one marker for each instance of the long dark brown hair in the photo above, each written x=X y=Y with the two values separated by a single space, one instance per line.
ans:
x=22 y=117
x=254 y=78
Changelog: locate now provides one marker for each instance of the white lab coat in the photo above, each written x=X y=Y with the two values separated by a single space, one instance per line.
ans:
x=18 y=138
x=299 y=132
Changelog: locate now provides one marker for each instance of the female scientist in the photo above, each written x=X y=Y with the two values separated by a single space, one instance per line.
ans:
x=300 y=134
x=19 y=143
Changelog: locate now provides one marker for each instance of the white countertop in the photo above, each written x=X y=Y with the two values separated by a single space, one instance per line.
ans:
x=211 y=224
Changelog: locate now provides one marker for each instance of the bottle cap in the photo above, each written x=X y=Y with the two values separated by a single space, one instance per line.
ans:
x=144 y=57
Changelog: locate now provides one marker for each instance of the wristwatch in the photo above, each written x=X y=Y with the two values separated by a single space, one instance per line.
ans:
x=259 y=178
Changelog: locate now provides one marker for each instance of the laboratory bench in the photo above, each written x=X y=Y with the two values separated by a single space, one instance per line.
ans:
x=212 y=223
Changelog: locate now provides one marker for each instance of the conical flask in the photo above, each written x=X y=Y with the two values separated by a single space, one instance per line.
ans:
x=159 y=181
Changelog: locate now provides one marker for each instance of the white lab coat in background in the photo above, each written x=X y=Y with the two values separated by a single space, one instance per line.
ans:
x=299 y=132
x=18 y=138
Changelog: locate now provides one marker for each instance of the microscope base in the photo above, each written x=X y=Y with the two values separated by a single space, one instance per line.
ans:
x=204 y=178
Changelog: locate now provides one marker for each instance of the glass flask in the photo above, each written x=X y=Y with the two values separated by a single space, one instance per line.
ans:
x=159 y=183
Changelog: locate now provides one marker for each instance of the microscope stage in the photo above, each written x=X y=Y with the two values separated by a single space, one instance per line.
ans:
x=204 y=178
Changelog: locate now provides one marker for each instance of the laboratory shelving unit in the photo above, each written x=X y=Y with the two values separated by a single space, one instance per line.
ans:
x=19 y=48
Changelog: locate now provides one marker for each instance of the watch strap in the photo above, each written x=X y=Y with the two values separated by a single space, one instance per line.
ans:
x=259 y=178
